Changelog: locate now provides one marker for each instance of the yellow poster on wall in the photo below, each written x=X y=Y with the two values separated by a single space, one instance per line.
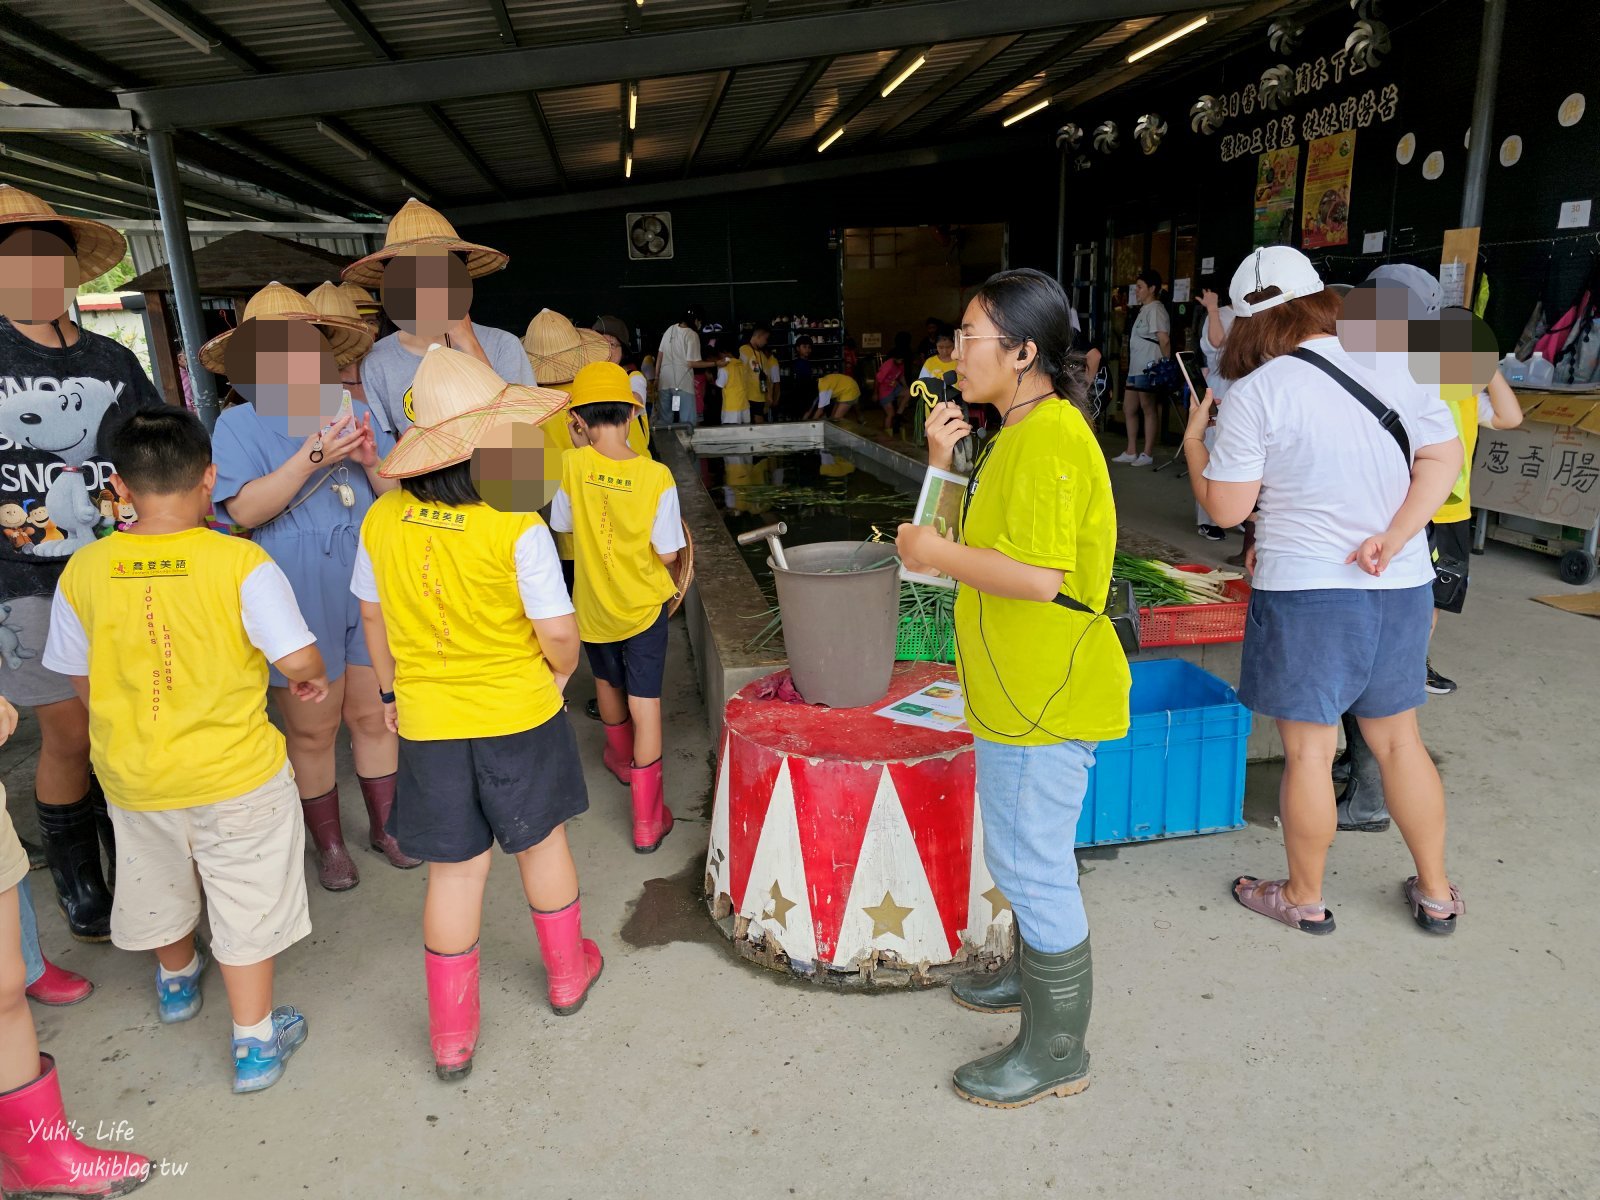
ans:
x=1325 y=219
x=1277 y=177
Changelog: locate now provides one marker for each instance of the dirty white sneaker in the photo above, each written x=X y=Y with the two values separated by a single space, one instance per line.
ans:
x=1124 y=458
x=1144 y=460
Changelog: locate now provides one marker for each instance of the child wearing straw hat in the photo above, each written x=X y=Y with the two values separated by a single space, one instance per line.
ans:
x=473 y=636
x=65 y=389
x=622 y=510
x=170 y=628
x=424 y=272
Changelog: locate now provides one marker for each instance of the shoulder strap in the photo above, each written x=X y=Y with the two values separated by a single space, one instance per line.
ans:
x=1386 y=416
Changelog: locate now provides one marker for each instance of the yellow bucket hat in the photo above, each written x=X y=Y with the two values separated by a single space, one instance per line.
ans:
x=602 y=383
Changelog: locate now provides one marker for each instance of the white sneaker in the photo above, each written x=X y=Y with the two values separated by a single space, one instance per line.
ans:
x=1144 y=460
x=1124 y=458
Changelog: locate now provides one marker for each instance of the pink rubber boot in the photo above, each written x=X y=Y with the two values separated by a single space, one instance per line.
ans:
x=652 y=819
x=571 y=961
x=619 y=751
x=59 y=987
x=452 y=1011
x=39 y=1156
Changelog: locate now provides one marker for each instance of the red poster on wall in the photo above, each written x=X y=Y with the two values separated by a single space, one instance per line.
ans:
x=1325 y=218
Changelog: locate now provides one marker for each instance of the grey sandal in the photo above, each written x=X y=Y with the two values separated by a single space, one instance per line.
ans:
x=1436 y=916
x=1267 y=898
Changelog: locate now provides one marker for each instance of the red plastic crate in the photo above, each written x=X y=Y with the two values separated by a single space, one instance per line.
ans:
x=1196 y=624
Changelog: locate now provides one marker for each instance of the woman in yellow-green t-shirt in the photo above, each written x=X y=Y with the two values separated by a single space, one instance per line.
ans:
x=1043 y=674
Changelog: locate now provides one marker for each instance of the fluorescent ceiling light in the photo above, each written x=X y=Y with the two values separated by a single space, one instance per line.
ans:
x=830 y=139
x=1170 y=38
x=633 y=106
x=922 y=61
x=338 y=139
x=627 y=165
x=171 y=24
x=1027 y=112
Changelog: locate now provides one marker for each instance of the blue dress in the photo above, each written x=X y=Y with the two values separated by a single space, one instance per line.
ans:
x=315 y=544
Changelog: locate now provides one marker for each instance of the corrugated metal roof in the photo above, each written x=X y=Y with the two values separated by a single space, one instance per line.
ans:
x=669 y=112
x=753 y=96
x=942 y=61
x=839 y=85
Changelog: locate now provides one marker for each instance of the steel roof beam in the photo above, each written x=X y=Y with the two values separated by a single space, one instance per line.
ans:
x=229 y=47
x=648 y=55
x=502 y=21
x=874 y=90
x=1039 y=63
x=785 y=110
x=30 y=38
x=975 y=62
x=50 y=118
x=719 y=93
x=549 y=137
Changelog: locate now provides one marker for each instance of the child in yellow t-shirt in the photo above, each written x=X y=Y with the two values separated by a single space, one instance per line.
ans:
x=622 y=510
x=737 y=382
x=472 y=636
x=765 y=377
x=836 y=394
x=166 y=631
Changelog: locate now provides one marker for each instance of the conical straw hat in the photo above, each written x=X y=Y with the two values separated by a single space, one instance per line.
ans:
x=331 y=300
x=418 y=225
x=99 y=246
x=348 y=336
x=558 y=349
x=360 y=297
x=458 y=399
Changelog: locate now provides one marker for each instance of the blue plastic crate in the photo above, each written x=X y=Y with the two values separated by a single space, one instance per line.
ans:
x=1180 y=769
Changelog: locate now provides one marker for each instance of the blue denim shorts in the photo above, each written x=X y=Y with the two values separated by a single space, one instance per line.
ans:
x=1315 y=655
x=1141 y=383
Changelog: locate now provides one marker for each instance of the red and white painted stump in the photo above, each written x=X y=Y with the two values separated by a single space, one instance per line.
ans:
x=842 y=841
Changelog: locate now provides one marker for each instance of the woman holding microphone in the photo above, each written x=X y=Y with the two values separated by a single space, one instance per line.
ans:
x=1043 y=675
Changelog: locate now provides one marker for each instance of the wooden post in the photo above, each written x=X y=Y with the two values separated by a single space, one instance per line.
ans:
x=162 y=356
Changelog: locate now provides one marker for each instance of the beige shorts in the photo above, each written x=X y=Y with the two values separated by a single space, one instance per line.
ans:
x=13 y=858
x=247 y=855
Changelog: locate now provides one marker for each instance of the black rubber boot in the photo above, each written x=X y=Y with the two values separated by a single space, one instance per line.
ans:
x=995 y=992
x=1361 y=805
x=105 y=830
x=1049 y=1055
x=72 y=850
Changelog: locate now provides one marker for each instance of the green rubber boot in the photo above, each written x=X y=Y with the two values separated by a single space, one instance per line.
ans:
x=1049 y=1054
x=996 y=992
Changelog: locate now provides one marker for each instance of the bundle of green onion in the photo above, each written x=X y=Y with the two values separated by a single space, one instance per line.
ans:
x=1156 y=583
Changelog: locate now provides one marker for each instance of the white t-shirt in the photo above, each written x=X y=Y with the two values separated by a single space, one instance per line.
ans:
x=1144 y=346
x=666 y=530
x=1396 y=365
x=1331 y=476
x=271 y=616
x=1215 y=379
x=680 y=346
x=539 y=580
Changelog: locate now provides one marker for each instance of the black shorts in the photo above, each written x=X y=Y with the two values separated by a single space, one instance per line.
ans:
x=456 y=797
x=634 y=664
x=1452 y=542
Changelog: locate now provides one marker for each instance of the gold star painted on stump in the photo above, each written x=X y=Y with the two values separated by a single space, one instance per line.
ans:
x=779 y=909
x=888 y=917
x=997 y=902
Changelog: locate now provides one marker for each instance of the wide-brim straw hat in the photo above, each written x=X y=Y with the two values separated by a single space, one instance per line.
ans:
x=348 y=336
x=99 y=247
x=414 y=226
x=364 y=300
x=558 y=349
x=458 y=400
x=331 y=300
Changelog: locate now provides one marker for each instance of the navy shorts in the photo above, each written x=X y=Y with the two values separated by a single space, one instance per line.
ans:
x=1451 y=541
x=634 y=664
x=456 y=797
x=1315 y=655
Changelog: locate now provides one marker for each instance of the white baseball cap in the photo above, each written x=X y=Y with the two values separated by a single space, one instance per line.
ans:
x=1282 y=267
x=1424 y=286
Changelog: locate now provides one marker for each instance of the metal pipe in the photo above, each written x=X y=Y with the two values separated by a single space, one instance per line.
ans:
x=1494 y=26
x=175 y=233
x=1061 y=221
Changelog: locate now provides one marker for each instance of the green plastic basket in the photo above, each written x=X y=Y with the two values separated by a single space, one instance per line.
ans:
x=917 y=641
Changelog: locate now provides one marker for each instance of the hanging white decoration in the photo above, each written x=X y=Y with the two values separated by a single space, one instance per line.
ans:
x=1106 y=136
x=1068 y=136
x=1511 y=151
x=1405 y=148
x=1284 y=36
x=1277 y=86
x=1365 y=8
x=1433 y=165
x=1571 y=110
x=1367 y=41
x=1149 y=131
x=1206 y=115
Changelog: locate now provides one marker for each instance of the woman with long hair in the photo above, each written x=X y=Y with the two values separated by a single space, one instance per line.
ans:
x=1346 y=469
x=1149 y=341
x=1044 y=678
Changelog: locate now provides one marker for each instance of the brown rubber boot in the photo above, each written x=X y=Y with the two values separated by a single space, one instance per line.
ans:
x=379 y=796
x=335 y=869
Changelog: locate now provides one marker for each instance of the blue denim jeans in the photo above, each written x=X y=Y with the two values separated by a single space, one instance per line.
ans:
x=686 y=414
x=32 y=956
x=1030 y=798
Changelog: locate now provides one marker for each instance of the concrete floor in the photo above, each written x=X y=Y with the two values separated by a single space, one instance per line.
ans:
x=1233 y=1057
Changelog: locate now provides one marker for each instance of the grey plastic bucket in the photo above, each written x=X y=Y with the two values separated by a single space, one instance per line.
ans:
x=839 y=622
